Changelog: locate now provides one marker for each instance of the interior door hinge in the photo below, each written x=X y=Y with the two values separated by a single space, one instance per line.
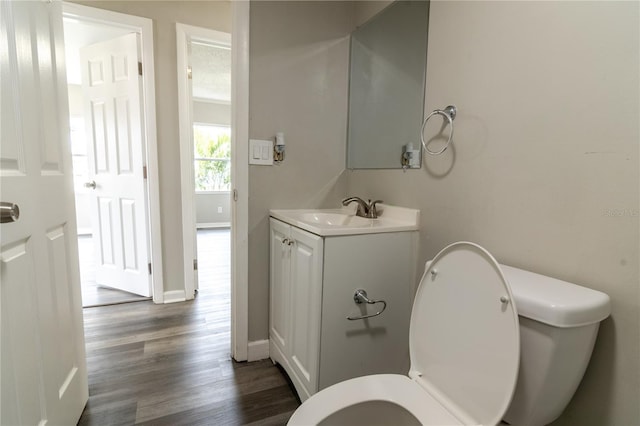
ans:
x=189 y=72
x=149 y=268
x=195 y=264
x=139 y=68
x=144 y=172
x=235 y=195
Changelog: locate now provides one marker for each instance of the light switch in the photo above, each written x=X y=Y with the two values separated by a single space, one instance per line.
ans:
x=261 y=152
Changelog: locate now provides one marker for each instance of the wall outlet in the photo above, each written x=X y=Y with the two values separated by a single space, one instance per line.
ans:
x=219 y=209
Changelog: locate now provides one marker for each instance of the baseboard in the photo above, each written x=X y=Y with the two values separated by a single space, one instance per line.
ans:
x=258 y=350
x=174 y=296
x=211 y=225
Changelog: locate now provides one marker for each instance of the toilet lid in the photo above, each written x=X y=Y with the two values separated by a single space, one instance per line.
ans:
x=464 y=334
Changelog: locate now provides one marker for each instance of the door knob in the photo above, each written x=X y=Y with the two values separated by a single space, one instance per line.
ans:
x=9 y=212
x=91 y=184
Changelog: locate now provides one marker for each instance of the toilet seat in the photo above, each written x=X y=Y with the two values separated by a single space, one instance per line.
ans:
x=464 y=345
x=392 y=388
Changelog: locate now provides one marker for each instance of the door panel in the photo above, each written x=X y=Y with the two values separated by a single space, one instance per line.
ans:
x=21 y=401
x=280 y=293
x=112 y=90
x=43 y=365
x=306 y=296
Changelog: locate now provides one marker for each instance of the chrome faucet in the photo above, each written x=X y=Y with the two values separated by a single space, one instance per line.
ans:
x=365 y=209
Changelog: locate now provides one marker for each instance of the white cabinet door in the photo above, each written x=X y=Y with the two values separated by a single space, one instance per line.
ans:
x=113 y=113
x=306 y=301
x=43 y=367
x=279 y=279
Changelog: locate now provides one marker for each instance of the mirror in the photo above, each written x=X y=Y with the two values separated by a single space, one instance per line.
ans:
x=386 y=86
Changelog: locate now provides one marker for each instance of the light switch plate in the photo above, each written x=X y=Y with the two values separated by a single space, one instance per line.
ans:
x=414 y=163
x=261 y=152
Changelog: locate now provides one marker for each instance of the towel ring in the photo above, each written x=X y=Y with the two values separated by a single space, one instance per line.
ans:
x=449 y=113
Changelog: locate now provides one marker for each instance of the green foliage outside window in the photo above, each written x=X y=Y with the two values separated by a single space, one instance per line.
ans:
x=212 y=149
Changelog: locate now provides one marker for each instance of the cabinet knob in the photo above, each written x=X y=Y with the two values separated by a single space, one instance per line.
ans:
x=287 y=241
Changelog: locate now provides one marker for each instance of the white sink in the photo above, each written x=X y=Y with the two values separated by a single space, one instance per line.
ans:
x=328 y=222
x=333 y=219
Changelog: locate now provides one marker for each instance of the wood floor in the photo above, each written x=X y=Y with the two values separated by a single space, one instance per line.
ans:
x=92 y=293
x=171 y=365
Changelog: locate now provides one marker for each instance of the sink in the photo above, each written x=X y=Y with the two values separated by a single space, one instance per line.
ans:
x=334 y=219
x=329 y=222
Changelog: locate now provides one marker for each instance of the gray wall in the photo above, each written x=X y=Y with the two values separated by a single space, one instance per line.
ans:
x=364 y=10
x=207 y=14
x=207 y=206
x=299 y=54
x=544 y=167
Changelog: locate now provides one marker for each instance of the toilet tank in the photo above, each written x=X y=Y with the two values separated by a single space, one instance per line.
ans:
x=558 y=327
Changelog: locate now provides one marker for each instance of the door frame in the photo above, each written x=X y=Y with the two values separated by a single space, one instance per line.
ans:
x=184 y=35
x=144 y=27
x=239 y=169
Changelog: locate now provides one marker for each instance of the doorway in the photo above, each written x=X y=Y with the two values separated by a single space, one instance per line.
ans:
x=115 y=166
x=205 y=123
x=239 y=168
x=205 y=112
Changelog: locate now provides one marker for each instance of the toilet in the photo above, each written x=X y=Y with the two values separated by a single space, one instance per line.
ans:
x=487 y=343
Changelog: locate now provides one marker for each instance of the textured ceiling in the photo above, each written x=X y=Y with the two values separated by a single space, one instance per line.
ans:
x=211 y=68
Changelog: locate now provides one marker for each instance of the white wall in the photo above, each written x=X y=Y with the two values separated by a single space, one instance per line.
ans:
x=82 y=199
x=544 y=171
x=211 y=112
x=165 y=14
x=298 y=85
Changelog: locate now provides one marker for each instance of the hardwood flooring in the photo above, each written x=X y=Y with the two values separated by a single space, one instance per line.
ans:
x=171 y=364
x=92 y=293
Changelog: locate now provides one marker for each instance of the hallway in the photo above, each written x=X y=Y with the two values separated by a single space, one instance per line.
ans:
x=214 y=259
x=171 y=364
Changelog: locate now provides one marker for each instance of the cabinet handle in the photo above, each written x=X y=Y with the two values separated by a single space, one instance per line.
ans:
x=359 y=297
x=287 y=241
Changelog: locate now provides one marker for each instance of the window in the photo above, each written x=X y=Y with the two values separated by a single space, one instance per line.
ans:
x=212 y=148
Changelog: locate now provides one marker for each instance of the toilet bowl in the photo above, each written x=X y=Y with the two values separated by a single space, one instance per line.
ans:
x=464 y=348
x=466 y=340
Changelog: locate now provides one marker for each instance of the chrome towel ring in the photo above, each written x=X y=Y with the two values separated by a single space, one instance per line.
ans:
x=360 y=297
x=449 y=113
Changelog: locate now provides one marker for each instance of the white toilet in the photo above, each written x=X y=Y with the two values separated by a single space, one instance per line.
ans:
x=465 y=344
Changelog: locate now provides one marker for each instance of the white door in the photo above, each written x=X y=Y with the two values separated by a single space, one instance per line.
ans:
x=43 y=367
x=113 y=113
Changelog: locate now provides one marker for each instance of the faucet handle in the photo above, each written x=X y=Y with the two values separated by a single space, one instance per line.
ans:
x=373 y=212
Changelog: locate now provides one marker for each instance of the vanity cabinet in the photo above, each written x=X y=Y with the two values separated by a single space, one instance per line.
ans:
x=296 y=289
x=313 y=279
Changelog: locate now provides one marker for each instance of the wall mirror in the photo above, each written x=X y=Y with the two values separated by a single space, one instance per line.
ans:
x=387 y=86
